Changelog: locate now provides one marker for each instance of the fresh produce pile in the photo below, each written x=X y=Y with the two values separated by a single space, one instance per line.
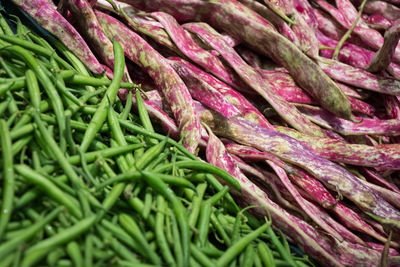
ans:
x=297 y=100
x=132 y=197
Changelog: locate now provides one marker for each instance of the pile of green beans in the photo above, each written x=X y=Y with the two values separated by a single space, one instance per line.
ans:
x=86 y=182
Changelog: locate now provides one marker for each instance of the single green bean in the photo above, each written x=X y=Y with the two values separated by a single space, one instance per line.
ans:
x=248 y=256
x=133 y=229
x=8 y=177
x=160 y=235
x=236 y=248
x=30 y=232
x=35 y=48
x=178 y=208
x=49 y=188
x=88 y=251
x=143 y=114
x=128 y=106
x=124 y=252
x=138 y=205
x=200 y=256
x=121 y=235
x=117 y=134
x=74 y=252
x=55 y=255
x=266 y=254
x=177 y=240
x=100 y=116
x=36 y=252
x=279 y=247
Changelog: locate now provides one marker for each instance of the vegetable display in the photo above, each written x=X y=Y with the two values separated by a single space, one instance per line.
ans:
x=200 y=133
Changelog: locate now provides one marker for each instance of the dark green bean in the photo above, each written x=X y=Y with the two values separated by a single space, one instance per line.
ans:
x=10 y=245
x=47 y=85
x=248 y=256
x=121 y=235
x=8 y=177
x=279 y=247
x=133 y=229
x=221 y=231
x=123 y=251
x=118 y=135
x=178 y=208
x=143 y=114
x=55 y=255
x=200 y=256
x=52 y=190
x=177 y=240
x=138 y=205
x=20 y=144
x=36 y=252
x=35 y=48
x=74 y=252
x=265 y=254
x=128 y=106
x=160 y=235
x=236 y=248
x=101 y=113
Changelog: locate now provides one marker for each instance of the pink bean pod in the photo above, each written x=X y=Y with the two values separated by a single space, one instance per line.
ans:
x=164 y=76
x=47 y=16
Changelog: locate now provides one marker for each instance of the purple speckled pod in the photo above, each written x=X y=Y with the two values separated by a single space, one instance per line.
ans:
x=375 y=178
x=392 y=106
x=164 y=76
x=181 y=10
x=290 y=150
x=271 y=16
x=238 y=20
x=251 y=154
x=323 y=249
x=141 y=24
x=377 y=22
x=90 y=27
x=204 y=92
x=186 y=44
x=316 y=192
x=304 y=235
x=246 y=109
x=281 y=8
x=388 y=195
x=308 y=209
x=286 y=110
x=380 y=156
x=383 y=57
x=385 y=9
x=47 y=16
x=359 y=78
x=308 y=42
x=250 y=57
x=372 y=126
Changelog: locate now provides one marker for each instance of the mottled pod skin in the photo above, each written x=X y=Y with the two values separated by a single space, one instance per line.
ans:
x=164 y=76
x=372 y=126
x=303 y=233
x=384 y=157
x=384 y=55
x=238 y=20
x=90 y=27
x=383 y=8
x=253 y=79
x=290 y=150
x=47 y=16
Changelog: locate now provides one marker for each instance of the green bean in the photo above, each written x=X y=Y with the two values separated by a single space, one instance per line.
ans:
x=4 y=105
x=248 y=256
x=202 y=166
x=178 y=208
x=8 y=177
x=236 y=248
x=177 y=241
x=200 y=257
x=47 y=85
x=128 y=106
x=10 y=245
x=74 y=252
x=27 y=198
x=148 y=202
x=143 y=114
x=35 y=48
x=68 y=134
x=7 y=260
x=138 y=153
x=149 y=155
x=7 y=87
x=121 y=235
x=33 y=89
x=211 y=250
x=278 y=245
x=18 y=225
x=74 y=124
x=55 y=255
x=78 y=79
x=36 y=252
x=159 y=230
x=218 y=226
x=118 y=135
x=193 y=262
x=100 y=116
x=20 y=144
x=52 y=190
x=123 y=251
x=17 y=258
x=257 y=261
x=265 y=254
x=39 y=40
x=5 y=27
x=133 y=229
x=138 y=206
